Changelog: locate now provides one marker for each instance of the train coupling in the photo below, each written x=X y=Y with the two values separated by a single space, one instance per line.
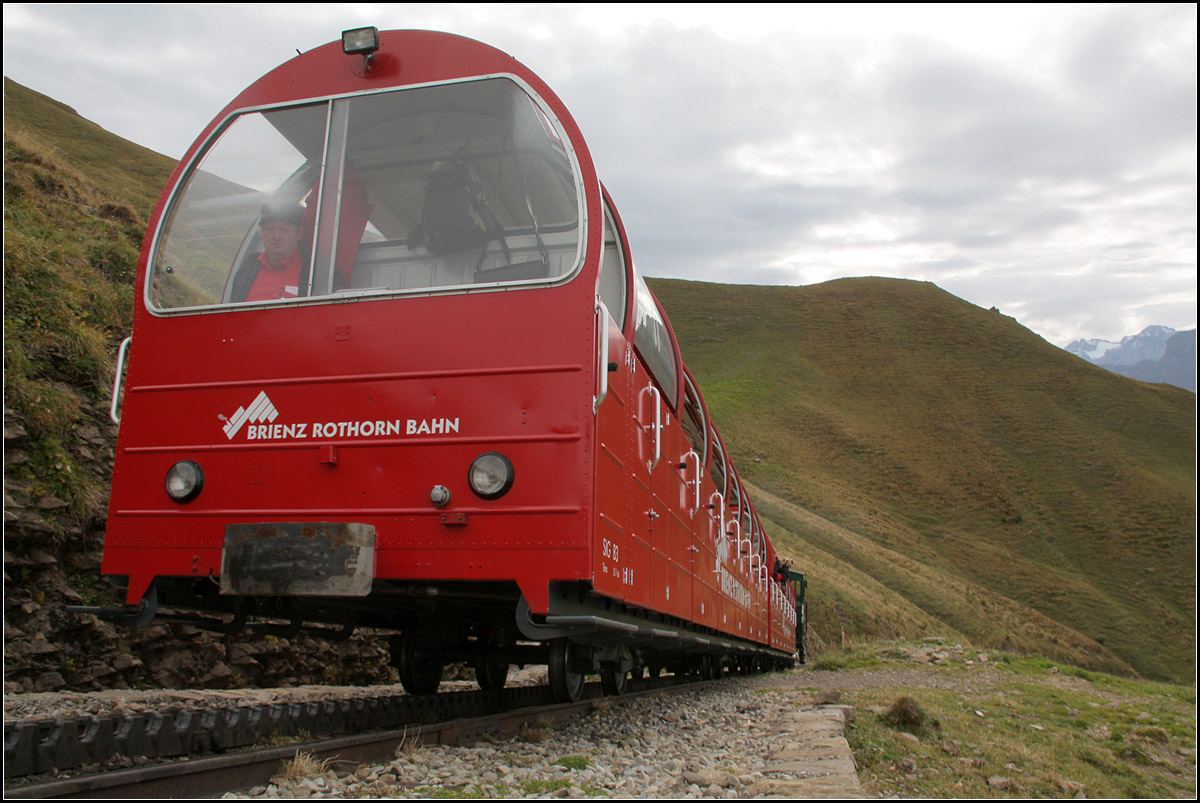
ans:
x=139 y=616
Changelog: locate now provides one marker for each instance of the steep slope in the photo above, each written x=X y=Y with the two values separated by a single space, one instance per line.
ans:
x=870 y=591
x=115 y=167
x=957 y=438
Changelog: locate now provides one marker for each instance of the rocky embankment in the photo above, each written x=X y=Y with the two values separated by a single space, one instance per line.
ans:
x=770 y=735
x=746 y=738
x=52 y=560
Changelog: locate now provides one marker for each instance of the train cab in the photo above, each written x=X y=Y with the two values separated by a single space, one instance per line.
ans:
x=393 y=367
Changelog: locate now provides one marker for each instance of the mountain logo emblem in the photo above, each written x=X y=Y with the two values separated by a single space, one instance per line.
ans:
x=261 y=409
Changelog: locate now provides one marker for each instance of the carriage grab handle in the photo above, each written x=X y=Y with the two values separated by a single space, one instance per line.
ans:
x=119 y=380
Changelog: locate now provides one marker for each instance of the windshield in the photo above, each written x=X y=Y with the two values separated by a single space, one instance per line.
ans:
x=416 y=190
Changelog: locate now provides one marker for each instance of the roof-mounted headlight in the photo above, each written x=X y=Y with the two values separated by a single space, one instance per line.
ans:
x=364 y=41
x=360 y=40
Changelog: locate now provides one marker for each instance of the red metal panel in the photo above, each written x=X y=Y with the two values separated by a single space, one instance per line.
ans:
x=673 y=526
x=353 y=412
x=614 y=564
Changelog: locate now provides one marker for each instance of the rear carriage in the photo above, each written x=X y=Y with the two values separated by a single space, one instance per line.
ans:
x=466 y=422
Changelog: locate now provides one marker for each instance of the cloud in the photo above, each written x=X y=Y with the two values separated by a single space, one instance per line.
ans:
x=1039 y=158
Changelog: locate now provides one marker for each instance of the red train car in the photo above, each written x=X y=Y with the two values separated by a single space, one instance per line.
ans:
x=392 y=367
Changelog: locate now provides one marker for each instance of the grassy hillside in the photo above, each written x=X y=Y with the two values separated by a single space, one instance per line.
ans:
x=868 y=591
x=956 y=449
x=128 y=173
x=75 y=202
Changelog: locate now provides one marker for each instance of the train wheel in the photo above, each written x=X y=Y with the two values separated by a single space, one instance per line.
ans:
x=491 y=675
x=566 y=684
x=613 y=681
x=420 y=672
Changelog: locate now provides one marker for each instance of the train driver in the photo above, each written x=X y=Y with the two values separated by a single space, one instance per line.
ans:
x=281 y=264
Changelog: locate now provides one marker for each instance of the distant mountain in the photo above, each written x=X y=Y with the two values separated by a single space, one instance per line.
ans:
x=1156 y=354
x=1177 y=366
x=1149 y=344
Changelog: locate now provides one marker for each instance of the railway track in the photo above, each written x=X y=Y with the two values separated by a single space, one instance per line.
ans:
x=196 y=755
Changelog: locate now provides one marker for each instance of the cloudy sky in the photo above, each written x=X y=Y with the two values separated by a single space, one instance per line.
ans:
x=1041 y=159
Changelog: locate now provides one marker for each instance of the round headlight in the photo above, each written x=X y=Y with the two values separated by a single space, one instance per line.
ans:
x=491 y=475
x=184 y=481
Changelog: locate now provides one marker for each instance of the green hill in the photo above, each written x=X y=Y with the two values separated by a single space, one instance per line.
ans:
x=937 y=469
x=995 y=482
x=75 y=202
x=116 y=167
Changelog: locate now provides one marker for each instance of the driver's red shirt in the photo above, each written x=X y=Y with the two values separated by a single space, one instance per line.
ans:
x=276 y=281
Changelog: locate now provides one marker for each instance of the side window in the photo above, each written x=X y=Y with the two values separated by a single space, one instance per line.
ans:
x=693 y=417
x=747 y=521
x=612 y=272
x=717 y=469
x=734 y=500
x=653 y=341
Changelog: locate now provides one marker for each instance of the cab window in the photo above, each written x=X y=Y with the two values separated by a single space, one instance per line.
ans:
x=460 y=186
x=213 y=221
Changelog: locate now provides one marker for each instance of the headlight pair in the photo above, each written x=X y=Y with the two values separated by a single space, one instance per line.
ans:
x=490 y=477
